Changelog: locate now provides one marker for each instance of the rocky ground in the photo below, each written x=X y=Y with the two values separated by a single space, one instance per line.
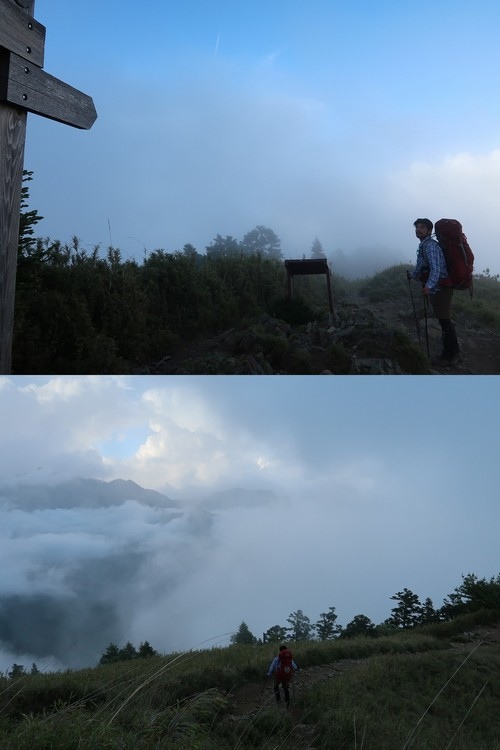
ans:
x=480 y=346
x=361 y=338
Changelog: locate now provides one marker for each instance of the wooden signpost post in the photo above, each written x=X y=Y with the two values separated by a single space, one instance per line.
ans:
x=24 y=87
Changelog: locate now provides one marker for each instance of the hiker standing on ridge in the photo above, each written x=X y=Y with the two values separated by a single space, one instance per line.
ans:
x=282 y=667
x=431 y=270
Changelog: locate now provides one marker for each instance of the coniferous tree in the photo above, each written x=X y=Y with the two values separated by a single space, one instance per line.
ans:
x=428 y=613
x=28 y=219
x=473 y=594
x=317 y=249
x=111 y=655
x=189 y=251
x=223 y=247
x=359 y=625
x=243 y=635
x=300 y=626
x=276 y=634
x=17 y=670
x=128 y=652
x=145 y=649
x=408 y=611
x=326 y=627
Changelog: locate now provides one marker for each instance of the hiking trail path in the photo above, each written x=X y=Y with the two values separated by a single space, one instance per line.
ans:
x=253 y=697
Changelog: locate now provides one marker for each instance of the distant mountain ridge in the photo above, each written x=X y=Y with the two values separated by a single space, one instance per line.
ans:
x=97 y=493
x=83 y=493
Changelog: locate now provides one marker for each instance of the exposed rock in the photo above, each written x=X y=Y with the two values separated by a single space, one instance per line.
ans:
x=375 y=366
x=361 y=338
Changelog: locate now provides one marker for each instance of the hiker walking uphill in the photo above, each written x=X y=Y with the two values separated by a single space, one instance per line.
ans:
x=282 y=668
x=432 y=271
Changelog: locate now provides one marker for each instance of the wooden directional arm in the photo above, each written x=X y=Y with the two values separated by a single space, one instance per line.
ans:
x=21 y=34
x=31 y=88
x=23 y=83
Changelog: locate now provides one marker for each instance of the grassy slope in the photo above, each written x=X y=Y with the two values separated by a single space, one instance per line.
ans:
x=181 y=701
x=397 y=701
x=483 y=309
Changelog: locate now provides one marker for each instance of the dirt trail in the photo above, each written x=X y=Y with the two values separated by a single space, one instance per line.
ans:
x=250 y=698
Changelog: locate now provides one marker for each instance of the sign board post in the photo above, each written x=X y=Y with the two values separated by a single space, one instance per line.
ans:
x=308 y=267
x=24 y=87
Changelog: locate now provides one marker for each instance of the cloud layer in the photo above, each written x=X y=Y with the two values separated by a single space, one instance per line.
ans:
x=223 y=155
x=348 y=492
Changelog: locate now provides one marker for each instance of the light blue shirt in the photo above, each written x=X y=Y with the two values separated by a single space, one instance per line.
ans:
x=275 y=663
x=430 y=257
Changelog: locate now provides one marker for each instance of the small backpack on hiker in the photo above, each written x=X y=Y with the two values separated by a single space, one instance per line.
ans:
x=457 y=253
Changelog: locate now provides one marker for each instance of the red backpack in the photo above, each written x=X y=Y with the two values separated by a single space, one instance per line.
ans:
x=285 y=665
x=457 y=253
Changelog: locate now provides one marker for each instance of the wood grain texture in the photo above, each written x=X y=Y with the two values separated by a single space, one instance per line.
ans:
x=20 y=33
x=12 y=139
x=31 y=88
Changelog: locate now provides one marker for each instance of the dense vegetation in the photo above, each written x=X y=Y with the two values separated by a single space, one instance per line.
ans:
x=93 y=312
x=431 y=686
x=472 y=595
x=80 y=311
x=77 y=312
x=423 y=685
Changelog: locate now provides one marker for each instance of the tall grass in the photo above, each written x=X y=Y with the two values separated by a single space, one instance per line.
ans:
x=418 y=701
x=406 y=686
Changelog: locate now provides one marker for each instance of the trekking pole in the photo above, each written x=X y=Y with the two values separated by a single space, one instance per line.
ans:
x=414 y=310
x=426 y=304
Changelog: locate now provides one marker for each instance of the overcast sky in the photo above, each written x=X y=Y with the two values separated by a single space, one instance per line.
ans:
x=378 y=484
x=343 y=121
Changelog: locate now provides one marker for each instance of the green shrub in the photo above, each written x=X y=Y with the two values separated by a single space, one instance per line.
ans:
x=293 y=311
x=338 y=360
x=390 y=284
x=408 y=355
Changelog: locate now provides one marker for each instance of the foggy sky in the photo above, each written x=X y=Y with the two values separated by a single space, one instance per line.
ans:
x=333 y=494
x=321 y=121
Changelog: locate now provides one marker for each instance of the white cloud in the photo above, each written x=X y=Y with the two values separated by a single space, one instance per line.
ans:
x=55 y=426
x=463 y=186
x=358 y=480
x=195 y=444
x=169 y=436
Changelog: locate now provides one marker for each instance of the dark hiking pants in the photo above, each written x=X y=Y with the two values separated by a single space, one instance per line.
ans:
x=441 y=304
x=450 y=342
x=285 y=684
